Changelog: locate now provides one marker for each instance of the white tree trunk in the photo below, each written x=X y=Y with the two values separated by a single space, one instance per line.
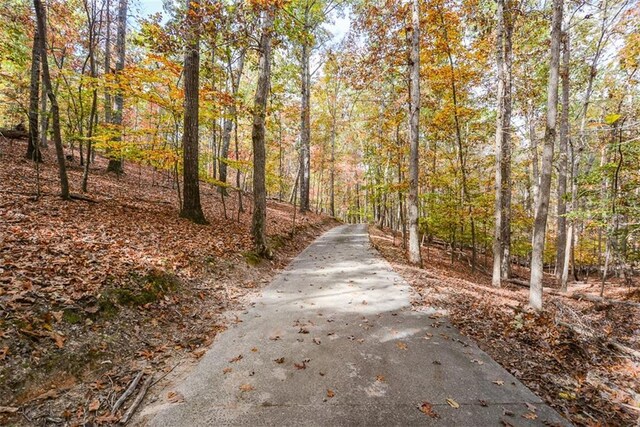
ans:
x=414 y=127
x=542 y=205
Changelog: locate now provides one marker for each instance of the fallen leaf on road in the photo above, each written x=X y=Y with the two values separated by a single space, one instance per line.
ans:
x=175 y=397
x=330 y=393
x=498 y=382
x=531 y=407
x=453 y=403
x=300 y=366
x=427 y=409
x=227 y=370
x=275 y=338
x=530 y=416
x=380 y=378
x=254 y=350
x=401 y=345
x=199 y=352
x=279 y=360
x=303 y=331
x=236 y=359
x=247 y=387
x=316 y=341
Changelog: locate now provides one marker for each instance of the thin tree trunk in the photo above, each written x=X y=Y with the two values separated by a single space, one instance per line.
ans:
x=414 y=127
x=33 y=149
x=561 y=240
x=499 y=152
x=107 y=62
x=506 y=144
x=115 y=163
x=258 y=226
x=305 y=128
x=542 y=207
x=332 y=194
x=91 y=17
x=191 y=208
x=55 y=110
x=230 y=113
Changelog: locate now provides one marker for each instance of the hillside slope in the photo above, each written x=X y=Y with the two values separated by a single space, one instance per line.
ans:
x=91 y=292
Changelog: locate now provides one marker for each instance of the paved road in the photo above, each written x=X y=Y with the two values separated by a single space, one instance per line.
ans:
x=333 y=341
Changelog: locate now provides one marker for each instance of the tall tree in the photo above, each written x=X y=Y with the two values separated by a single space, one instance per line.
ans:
x=259 y=220
x=502 y=231
x=542 y=205
x=55 y=109
x=115 y=163
x=191 y=208
x=231 y=111
x=561 y=238
x=33 y=149
x=414 y=130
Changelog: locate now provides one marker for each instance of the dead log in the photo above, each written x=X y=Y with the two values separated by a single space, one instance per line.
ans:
x=14 y=133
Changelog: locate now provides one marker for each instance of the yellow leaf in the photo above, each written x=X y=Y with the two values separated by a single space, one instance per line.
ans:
x=453 y=403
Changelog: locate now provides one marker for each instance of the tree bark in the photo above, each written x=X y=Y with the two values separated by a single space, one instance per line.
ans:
x=91 y=18
x=191 y=208
x=542 y=205
x=115 y=163
x=561 y=240
x=498 y=236
x=305 y=127
x=55 y=110
x=414 y=129
x=107 y=62
x=230 y=114
x=258 y=226
x=33 y=149
x=505 y=267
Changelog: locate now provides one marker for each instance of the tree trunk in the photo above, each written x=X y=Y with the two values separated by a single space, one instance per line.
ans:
x=498 y=237
x=332 y=194
x=191 y=208
x=414 y=129
x=115 y=163
x=91 y=18
x=230 y=114
x=542 y=205
x=107 y=62
x=305 y=127
x=563 y=135
x=258 y=226
x=505 y=267
x=33 y=149
x=55 y=110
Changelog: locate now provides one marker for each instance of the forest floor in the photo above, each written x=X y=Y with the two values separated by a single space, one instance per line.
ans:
x=94 y=292
x=582 y=357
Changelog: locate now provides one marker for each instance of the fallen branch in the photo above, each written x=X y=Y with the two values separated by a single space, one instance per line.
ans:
x=81 y=197
x=623 y=348
x=137 y=401
x=127 y=392
x=610 y=343
x=594 y=298
x=518 y=282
